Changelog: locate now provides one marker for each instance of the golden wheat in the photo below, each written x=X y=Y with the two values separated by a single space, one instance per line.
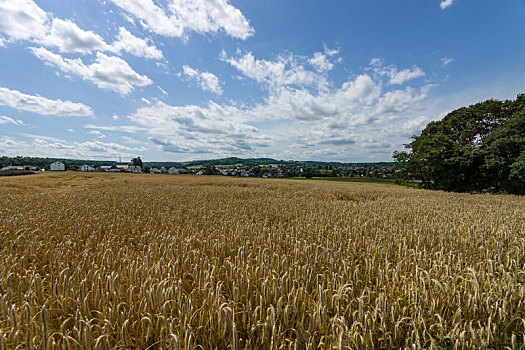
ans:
x=109 y=261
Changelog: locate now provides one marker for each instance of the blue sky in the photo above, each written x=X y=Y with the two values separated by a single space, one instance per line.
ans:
x=174 y=80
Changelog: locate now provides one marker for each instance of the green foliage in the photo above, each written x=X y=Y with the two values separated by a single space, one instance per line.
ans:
x=442 y=343
x=137 y=162
x=475 y=148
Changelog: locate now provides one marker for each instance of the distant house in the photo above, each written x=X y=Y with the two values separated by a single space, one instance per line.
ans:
x=134 y=169
x=57 y=166
x=86 y=167
x=123 y=167
x=114 y=169
x=154 y=170
x=173 y=170
x=12 y=167
x=105 y=167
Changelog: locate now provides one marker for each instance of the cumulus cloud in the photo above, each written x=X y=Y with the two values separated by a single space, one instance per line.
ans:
x=106 y=72
x=402 y=76
x=445 y=3
x=178 y=17
x=206 y=80
x=8 y=120
x=41 y=105
x=22 y=19
x=192 y=129
x=25 y=20
x=395 y=76
x=292 y=122
x=321 y=62
x=135 y=46
x=41 y=146
x=285 y=70
x=400 y=100
x=68 y=37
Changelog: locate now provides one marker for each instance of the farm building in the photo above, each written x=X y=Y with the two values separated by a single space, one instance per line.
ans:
x=173 y=170
x=86 y=167
x=57 y=166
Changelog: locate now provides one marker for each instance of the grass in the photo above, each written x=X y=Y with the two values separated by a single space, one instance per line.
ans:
x=131 y=261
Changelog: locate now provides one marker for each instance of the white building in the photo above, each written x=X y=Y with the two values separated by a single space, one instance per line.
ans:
x=122 y=167
x=154 y=170
x=134 y=169
x=12 y=167
x=86 y=167
x=57 y=166
x=173 y=170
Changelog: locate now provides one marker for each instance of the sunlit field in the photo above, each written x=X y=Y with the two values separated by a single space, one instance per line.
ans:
x=116 y=261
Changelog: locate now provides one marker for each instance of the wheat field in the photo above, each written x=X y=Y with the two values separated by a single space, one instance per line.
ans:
x=116 y=261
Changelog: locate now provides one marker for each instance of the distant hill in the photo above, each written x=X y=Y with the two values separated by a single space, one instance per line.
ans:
x=247 y=162
x=253 y=162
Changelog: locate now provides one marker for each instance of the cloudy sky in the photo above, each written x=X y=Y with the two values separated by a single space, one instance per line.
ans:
x=344 y=80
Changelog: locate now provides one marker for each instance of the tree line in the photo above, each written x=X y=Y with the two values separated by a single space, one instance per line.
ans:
x=480 y=148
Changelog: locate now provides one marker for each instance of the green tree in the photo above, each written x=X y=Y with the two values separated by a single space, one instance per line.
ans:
x=473 y=148
x=137 y=162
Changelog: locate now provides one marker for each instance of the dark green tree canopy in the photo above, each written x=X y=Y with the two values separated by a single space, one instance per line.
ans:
x=475 y=148
x=137 y=161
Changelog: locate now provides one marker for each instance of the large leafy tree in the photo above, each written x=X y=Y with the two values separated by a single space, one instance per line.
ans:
x=475 y=148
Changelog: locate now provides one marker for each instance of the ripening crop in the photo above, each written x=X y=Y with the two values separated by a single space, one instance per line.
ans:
x=116 y=261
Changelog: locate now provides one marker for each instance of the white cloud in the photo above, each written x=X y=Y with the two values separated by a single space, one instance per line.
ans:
x=400 y=100
x=402 y=76
x=330 y=52
x=135 y=46
x=283 y=71
x=354 y=118
x=8 y=120
x=22 y=19
x=44 y=146
x=25 y=20
x=396 y=77
x=321 y=62
x=97 y=133
x=71 y=130
x=68 y=37
x=446 y=61
x=445 y=3
x=131 y=140
x=2 y=42
x=41 y=105
x=206 y=80
x=124 y=128
x=162 y=91
x=178 y=17
x=192 y=129
x=106 y=72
